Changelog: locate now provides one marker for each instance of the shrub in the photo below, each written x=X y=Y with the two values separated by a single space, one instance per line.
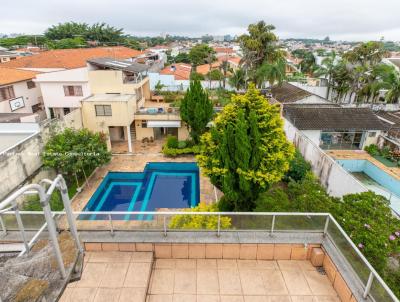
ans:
x=172 y=141
x=372 y=149
x=174 y=152
x=200 y=221
x=298 y=168
x=182 y=145
x=32 y=203
x=274 y=200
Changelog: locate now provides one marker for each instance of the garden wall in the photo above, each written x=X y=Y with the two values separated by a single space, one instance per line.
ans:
x=22 y=162
x=332 y=176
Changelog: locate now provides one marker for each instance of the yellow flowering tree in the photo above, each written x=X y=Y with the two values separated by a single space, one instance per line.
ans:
x=246 y=151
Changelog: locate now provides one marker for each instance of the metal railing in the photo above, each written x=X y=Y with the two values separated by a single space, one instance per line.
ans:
x=273 y=224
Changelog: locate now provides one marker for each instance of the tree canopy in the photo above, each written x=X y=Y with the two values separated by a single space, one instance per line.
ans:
x=196 y=110
x=201 y=54
x=246 y=150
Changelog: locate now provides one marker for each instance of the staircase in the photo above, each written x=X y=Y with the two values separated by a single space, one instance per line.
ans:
x=133 y=132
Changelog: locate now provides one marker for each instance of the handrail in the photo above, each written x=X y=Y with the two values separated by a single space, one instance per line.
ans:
x=324 y=231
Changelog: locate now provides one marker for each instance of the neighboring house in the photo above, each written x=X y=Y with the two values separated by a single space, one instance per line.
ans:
x=392 y=120
x=120 y=104
x=6 y=56
x=18 y=91
x=333 y=127
x=180 y=71
x=63 y=79
x=287 y=93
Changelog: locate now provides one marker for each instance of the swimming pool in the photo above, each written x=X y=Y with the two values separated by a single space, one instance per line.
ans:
x=160 y=185
x=378 y=180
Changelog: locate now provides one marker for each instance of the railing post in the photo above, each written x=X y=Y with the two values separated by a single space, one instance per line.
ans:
x=21 y=226
x=165 y=225
x=68 y=212
x=368 y=286
x=51 y=227
x=326 y=225
x=219 y=226
x=272 y=225
x=111 y=224
x=3 y=226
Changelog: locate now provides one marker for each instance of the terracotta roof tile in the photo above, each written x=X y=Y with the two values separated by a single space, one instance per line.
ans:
x=71 y=58
x=180 y=71
x=10 y=75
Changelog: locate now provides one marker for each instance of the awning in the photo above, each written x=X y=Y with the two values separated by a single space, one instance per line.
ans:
x=165 y=124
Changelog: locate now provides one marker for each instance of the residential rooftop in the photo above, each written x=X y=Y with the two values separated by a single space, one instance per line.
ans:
x=12 y=75
x=71 y=58
x=124 y=65
x=305 y=117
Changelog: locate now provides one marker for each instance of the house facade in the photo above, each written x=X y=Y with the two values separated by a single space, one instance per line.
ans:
x=120 y=105
x=336 y=128
x=18 y=91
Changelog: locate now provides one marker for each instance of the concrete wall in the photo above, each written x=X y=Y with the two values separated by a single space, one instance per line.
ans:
x=313 y=135
x=31 y=97
x=73 y=119
x=332 y=176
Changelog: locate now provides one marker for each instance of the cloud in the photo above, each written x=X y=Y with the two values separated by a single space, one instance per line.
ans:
x=340 y=19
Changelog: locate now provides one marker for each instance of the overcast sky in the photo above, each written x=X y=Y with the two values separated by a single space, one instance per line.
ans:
x=339 y=19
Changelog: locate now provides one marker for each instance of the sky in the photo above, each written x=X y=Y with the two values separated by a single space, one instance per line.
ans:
x=352 y=20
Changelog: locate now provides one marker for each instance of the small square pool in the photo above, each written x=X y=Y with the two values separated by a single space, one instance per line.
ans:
x=160 y=185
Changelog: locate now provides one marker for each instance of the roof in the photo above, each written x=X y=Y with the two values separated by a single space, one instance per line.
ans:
x=332 y=118
x=205 y=68
x=109 y=97
x=288 y=93
x=180 y=71
x=390 y=117
x=10 y=75
x=119 y=64
x=223 y=49
x=71 y=58
x=5 y=53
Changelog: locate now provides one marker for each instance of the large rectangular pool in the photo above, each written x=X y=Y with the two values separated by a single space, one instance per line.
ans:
x=160 y=185
x=375 y=179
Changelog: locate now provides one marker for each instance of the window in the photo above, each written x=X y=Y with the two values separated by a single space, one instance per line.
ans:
x=31 y=84
x=103 y=110
x=73 y=91
x=7 y=93
x=144 y=124
x=66 y=110
x=35 y=108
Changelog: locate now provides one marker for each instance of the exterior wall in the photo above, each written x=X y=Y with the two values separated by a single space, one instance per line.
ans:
x=183 y=133
x=313 y=135
x=371 y=140
x=142 y=132
x=31 y=97
x=122 y=115
x=111 y=81
x=52 y=87
x=73 y=119
x=332 y=176
x=21 y=162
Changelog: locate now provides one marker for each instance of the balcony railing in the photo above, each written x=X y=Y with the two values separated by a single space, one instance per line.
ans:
x=276 y=226
x=158 y=110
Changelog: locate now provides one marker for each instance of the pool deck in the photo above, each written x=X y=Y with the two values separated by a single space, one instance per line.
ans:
x=134 y=163
x=359 y=154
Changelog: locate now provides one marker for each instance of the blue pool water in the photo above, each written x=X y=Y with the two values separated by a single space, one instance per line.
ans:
x=160 y=185
x=378 y=180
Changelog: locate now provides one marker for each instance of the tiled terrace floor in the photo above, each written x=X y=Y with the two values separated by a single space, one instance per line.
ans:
x=359 y=154
x=238 y=280
x=112 y=277
x=124 y=276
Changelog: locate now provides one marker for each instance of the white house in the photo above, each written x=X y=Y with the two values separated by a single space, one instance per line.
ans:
x=63 y=77
x=18 y=91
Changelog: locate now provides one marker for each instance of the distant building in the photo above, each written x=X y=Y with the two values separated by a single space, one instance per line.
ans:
x=6 y=56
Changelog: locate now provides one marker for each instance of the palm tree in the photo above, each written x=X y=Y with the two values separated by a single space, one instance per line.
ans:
x=326 y=70
x=391 y=81
x=224 y=68
x=271 y=72
x=238 y=79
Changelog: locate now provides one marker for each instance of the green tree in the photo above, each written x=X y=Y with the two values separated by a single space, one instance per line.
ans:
x=67 y=43
x=67 y=30
x=246 y=150
x=75 y=152
x=201 y=54
x=196 y=110
x=259 y=46
x=103 y=32
x=298 y=168
x=215 y=75
x=273 y=73
x=238 y=79
x=195 y=76
x=182 y=58
x=326 y=69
